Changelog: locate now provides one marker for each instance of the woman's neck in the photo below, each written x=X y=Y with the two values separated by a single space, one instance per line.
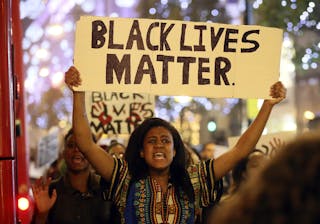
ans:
x=79 y=181
x=162 y=179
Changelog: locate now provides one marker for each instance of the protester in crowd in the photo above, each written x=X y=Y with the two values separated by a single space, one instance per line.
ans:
x=207 y=151
x=286 y=190
x=116 y=149
x=153 y=184
x=76 y=197
x=246 y=168
x=192 y=155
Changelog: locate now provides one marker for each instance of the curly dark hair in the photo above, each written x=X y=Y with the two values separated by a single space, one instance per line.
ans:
x=287 y=190
x=137 y=166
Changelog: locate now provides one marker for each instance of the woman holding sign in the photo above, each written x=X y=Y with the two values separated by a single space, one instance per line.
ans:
x=152 y=184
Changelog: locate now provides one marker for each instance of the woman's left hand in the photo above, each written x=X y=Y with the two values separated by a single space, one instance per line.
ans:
x=277 y=92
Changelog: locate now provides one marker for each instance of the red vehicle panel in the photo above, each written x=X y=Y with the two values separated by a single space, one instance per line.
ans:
x=14 y=178
x=7 y=192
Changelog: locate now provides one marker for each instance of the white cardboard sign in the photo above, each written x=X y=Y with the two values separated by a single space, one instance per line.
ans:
x=169 y=57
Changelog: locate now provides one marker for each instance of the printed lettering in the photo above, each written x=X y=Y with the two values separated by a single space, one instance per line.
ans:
x=135 y=35
x=145 y=60
x=185 y=69
x=163 y=36
x=113 y=64
x=200 y=46
x=229 y=40
x=215 y=38
x=112 y=45
x=165 y=67
x=148 y=40
x=256 y=44
x=220 y=71
x=98 y=30
x=184 y=47
x=202 y=69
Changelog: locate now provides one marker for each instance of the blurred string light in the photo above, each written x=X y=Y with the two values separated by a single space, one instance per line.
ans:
x=57 y=79
x=184 y=100
x=309 y=115
x=257 y=3
x=114 y=14
x=306 y=24
x=42 y=54
x=125 y=3
x=287 y=67
x=55 y=30
x=44 y=72
x=152 y=11
x=212 y=126
x=168 y=108
x=48 y=51
x=62 y=123
x=88 y=6
x=188 y=10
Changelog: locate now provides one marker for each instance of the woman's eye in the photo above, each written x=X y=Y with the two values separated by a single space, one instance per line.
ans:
x=152 y=141
x=162 y=141
x=165 y=141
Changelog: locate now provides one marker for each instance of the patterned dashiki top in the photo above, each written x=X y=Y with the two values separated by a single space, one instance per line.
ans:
x=144 y=202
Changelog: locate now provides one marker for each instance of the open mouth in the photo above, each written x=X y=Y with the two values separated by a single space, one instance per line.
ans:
x=158 y=155
x=77 y=159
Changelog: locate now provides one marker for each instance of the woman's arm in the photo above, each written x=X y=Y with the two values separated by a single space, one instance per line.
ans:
x=250 y=137
x=101 y=161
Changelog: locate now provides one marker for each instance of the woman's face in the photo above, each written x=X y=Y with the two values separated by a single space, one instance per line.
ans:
x=75 y=160
x=158 y=149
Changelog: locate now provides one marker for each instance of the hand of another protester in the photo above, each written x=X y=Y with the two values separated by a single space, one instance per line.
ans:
x=40 y=190
x=276 y=144
x=277 y=92
x=72 y=77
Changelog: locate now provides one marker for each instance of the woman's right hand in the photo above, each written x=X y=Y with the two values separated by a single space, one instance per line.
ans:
x=99 y=159
x=72 y=77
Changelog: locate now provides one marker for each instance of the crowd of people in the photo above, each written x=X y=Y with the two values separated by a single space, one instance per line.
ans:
x=284 y=190
x=158 y=178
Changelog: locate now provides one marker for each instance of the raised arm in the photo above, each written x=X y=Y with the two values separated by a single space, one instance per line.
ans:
x=250 y=137
x=99 y=159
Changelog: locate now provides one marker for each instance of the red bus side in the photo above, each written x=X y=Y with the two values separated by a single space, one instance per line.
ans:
x=14 y=178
